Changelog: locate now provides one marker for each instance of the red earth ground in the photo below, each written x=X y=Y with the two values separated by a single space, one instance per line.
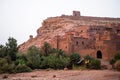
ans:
x=65 y=75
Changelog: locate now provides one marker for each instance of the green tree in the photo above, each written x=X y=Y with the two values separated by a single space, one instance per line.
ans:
x=12 y=48
x=60 y=53
x=21 y=59
x=46 y=49
x=3 y=51
x=33 y=57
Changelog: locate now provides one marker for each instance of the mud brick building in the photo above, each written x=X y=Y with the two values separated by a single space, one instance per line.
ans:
x=96 y=36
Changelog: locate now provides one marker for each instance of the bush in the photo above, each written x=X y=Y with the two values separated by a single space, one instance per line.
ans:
x=95 y=64
x=117 y=65
x=54 y=62
x=117 y=56
x=5 y=66
x=22 y=56
x=44 y=63
x=114 y=59
x=9 y=68
x=61 y=63
x=33 y=57
x=22 y=68
x=3 y=51
x=74 y=58
x=88 y=57
x=46 y=49
x=35 y=63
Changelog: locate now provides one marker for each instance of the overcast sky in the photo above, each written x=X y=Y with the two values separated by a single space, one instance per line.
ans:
x=21 y=18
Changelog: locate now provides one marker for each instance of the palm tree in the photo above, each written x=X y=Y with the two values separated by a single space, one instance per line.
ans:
x=60 y=52
x=46 y=49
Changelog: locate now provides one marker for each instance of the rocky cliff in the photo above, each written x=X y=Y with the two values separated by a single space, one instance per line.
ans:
x=54 y=26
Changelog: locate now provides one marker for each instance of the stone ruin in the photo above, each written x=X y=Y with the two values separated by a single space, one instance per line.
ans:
x=96 y=36
x=76 y=13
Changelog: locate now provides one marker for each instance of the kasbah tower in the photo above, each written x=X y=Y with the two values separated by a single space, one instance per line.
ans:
x=98 y=37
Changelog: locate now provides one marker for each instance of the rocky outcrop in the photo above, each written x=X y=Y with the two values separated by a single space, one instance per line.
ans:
x=54 y=26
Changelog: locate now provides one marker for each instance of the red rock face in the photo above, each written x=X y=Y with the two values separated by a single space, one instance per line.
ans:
x=96 y=36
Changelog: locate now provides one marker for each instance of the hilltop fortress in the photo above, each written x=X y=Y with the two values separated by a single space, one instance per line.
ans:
x=96 y=36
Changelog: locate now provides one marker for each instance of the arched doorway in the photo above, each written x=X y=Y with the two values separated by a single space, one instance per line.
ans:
x=99 y=54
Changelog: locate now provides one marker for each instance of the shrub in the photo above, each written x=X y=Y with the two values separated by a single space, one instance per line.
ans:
x=46 y=49
x=88 y=57
x=33 y=50
x=95 y=64
x=114 y=59
x=44 y=63
x=22 y=56
x=74 y=58
x=3 y=51
x=117 y=56
x=35 y=63
x=22 y=68
x=117 y=65
x=54 y=62
x=61 y=63
x=9 y=68
x=5 y=66
x=33 y=57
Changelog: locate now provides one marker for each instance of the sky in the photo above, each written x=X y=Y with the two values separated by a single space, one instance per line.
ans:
x=21 y=18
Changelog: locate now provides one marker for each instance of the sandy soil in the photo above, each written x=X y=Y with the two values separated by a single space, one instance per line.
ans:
x=65 y=75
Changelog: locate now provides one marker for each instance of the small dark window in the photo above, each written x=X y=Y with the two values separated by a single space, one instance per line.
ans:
x=76 y=42
x=82 y=43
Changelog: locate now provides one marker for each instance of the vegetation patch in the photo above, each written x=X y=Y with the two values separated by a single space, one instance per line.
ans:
x=115 y=61
x=117 y=65
x=46 y=57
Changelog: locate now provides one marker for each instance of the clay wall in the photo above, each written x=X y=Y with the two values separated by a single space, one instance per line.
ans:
x=63 y=45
